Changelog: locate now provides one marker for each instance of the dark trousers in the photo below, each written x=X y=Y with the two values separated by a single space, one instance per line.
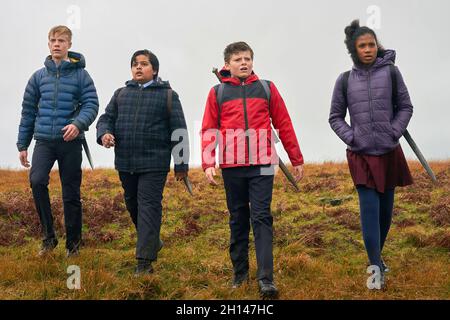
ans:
x=248 y=200
x=68 y=155
x=143 y=196
x=376 y=216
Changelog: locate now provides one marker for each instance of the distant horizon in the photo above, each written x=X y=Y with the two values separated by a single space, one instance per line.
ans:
x=86 y=166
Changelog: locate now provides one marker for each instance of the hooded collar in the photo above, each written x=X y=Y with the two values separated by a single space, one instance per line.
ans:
x=76 y=60
x=158 y=83
x=227 y=78
x=387 y=59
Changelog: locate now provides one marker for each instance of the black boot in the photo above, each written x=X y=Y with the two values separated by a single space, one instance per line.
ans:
x=47 y=246
x=239 y=279
x=143 y=267
x=267 y=289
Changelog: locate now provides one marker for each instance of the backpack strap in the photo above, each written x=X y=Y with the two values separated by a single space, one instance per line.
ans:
x=119 y=91
x=265 y=84
x=219 y=99
x=345 y=77
x=169 y=102
x=393 y=73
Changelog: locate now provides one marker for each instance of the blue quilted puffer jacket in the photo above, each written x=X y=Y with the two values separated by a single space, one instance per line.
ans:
x=56 y=96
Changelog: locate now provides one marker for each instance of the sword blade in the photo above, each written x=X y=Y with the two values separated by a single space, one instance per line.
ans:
x=282 y=166
x=419 y=155
x=188 y=185
x=88 y=153
x=288 y=174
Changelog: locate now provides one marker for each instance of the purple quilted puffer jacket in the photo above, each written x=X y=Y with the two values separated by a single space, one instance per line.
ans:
x=374 y=128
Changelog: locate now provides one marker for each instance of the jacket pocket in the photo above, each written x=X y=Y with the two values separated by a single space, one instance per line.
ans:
x=392 y=133
x=352 y=138
x=361 y=139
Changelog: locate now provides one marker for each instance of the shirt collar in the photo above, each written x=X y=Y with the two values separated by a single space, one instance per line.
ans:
x=145 y=85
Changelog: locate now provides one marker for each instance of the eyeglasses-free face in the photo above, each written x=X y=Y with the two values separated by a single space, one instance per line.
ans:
x=142 y=70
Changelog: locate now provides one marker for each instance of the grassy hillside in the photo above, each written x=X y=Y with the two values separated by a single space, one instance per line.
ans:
x=318 y=248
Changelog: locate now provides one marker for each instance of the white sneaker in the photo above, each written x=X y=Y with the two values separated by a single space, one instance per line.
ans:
x=384 y=266
x=376 y=279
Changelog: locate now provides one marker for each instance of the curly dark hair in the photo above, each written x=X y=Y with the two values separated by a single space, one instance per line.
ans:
x=352 y=33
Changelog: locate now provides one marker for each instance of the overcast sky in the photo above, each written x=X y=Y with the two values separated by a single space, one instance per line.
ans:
x=298 y=45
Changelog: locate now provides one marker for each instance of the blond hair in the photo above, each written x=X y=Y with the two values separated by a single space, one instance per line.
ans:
x=60 y=30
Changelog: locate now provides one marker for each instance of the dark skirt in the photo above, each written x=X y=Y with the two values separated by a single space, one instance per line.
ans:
x=381 y=172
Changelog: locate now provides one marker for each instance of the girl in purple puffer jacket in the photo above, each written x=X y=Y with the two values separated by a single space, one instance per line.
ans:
x=375 y=157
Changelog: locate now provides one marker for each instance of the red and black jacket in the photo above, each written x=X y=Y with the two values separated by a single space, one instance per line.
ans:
x=245 y=109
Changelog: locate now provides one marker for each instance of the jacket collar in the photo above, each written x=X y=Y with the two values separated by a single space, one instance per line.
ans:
x=387 y=59
x=158 y=83
x=76 y=60
x=227 y=78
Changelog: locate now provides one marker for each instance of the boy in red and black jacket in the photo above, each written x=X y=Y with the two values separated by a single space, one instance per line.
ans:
x=238 y=116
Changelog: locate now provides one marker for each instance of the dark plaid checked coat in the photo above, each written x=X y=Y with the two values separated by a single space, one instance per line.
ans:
x=142 y=124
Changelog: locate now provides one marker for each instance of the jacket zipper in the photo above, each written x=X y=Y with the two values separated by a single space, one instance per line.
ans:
x=247 y=138
x=55 y=101
x=371 y=111
x=133 y=142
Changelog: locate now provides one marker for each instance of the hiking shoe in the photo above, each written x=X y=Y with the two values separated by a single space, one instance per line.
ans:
x=239 y=280
x=47 y=246
x=267 y=289
x=74 y=252
x=73 y=249
x=376 y=279
x=143 y=267
x=384 y=266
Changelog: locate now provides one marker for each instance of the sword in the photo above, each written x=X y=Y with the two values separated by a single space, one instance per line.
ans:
x=406 y=134
x=419 y=155
x=216 y=72
x=281 y=164
x=283 y=167
x=188 y=185
x=287 y=174
x=88 y=153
